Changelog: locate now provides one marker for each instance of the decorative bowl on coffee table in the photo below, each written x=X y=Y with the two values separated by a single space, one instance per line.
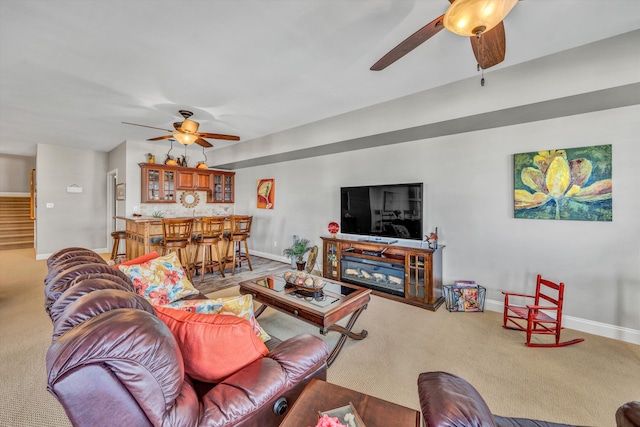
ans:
x=303 y=280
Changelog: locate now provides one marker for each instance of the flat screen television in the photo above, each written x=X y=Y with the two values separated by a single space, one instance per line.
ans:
x=393 y=210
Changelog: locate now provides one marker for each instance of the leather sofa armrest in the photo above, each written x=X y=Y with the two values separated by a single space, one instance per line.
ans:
x=299 y=354
x=447 y=400
x=628 y=415
x=247 y=396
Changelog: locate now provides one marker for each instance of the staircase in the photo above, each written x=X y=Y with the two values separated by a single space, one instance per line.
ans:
x=16 y=228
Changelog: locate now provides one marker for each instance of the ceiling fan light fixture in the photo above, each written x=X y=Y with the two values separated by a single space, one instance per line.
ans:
x=189 y=126
x=473 y=17
x=185 y=138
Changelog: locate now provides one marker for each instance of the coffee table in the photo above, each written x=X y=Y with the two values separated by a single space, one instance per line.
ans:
x=324 y=309
x=322 y=396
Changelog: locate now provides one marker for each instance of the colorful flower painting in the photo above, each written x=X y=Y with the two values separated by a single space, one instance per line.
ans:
x=573 y=184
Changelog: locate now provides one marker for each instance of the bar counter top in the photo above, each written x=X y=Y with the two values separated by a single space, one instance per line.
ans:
x=152 y=219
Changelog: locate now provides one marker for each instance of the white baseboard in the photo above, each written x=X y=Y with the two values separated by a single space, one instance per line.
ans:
x=270 y=256
x=584 y=325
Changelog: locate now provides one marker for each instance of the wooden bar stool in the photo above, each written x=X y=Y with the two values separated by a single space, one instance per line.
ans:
x=176 y=236
x=117 y=236
x=240 y=232
x=210 y=234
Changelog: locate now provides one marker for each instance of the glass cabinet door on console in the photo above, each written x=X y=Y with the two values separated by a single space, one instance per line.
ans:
x=331 y=261
x=417 y=267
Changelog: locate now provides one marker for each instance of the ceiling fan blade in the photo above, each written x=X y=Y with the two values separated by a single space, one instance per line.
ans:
x=412 y=42
x=490 y=48
x=160 y=138
x=145 y=126
x=218 y=136
x=201 y=142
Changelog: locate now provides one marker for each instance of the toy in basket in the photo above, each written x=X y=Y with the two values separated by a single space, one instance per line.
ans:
x=303 y=280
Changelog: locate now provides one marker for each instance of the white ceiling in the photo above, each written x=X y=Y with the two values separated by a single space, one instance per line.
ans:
x=72 y=70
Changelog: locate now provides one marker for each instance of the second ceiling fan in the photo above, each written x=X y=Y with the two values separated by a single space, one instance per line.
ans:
x=186 y=132
x=481 y=20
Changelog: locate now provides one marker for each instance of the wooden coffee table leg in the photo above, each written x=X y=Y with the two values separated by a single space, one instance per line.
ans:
x=259 y=311
x=346 y=332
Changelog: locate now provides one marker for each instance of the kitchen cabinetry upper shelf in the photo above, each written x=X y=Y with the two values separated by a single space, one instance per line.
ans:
x=160 y=182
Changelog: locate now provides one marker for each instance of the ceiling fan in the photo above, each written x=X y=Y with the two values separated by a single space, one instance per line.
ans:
x=186 y=132
x=479 y=19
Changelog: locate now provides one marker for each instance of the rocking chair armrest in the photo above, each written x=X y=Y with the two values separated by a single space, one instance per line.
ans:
x=517 y=295
x=508 y=294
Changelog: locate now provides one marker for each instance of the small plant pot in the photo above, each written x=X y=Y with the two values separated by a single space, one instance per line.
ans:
x=301 y=265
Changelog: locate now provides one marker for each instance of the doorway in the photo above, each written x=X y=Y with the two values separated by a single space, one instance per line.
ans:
x=112 y=178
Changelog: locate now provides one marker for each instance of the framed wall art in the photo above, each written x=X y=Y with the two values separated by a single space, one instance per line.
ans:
x=266 y=193
x=570 y=184
x=120 y=192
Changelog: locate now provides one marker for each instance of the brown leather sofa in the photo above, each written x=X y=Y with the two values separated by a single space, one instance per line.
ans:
x=112 y=362
x=448 y=400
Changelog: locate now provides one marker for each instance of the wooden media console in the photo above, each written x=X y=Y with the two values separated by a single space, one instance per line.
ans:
x=401 y=271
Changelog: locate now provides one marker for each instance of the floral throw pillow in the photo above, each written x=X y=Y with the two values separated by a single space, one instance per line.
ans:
x=160 y=280
x=241 y=306
x=204 y=306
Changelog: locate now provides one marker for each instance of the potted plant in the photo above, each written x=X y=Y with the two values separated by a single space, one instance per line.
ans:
x=297 y=251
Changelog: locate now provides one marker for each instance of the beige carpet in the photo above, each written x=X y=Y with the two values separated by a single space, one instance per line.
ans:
x=583 y=384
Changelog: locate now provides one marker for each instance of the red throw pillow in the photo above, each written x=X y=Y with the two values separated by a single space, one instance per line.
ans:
x=213 y=346
x=141 y=259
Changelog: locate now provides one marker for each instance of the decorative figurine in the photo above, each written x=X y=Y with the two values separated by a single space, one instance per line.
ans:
x=432 y=239
x=333 y=228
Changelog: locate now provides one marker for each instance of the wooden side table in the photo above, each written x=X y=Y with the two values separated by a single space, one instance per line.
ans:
x=322 y=396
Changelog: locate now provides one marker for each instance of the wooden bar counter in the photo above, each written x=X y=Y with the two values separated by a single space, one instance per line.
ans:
x=143 y=229
x=139 y=232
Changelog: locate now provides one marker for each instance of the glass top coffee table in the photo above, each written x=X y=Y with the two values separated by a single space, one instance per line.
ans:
x=324 y=309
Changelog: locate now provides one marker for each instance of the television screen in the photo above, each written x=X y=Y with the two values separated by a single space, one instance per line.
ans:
x=393 y=210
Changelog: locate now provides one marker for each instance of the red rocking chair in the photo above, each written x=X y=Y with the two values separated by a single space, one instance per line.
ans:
x=543 y=317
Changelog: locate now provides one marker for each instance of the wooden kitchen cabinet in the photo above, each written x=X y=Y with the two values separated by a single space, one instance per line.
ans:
x=195 y=180
x=222 y=188
x=160 y=182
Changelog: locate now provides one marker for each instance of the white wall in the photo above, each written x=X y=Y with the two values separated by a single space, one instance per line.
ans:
x=469 y=196
x=468 y=181
x=117 y=161
x=15 y=173
x=77 y=219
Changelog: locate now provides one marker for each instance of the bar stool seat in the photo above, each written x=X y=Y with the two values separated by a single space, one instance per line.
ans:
x=240 y=232
x=176 y=236
x=117 y=236
x=208 y=238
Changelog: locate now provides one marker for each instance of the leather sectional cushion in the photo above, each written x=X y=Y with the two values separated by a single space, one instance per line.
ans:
x=213 y=346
